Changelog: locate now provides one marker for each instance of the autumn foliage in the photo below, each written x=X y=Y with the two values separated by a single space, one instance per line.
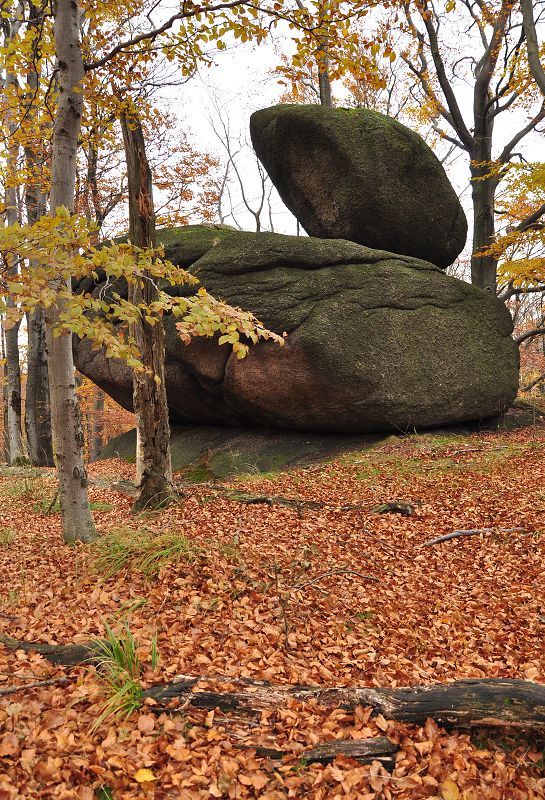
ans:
x=466 y=608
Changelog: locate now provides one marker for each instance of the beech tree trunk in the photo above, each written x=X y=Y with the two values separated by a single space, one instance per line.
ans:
x=483 y=190
x=149 y=389
x=97 y=433
x=15 y=444
x=37 y=406
x=77 y=520
x=324 y=81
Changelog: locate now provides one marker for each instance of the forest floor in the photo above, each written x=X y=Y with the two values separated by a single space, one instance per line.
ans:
x=220 y=600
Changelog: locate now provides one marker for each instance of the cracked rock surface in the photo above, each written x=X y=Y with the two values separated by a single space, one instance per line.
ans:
x=376 y=341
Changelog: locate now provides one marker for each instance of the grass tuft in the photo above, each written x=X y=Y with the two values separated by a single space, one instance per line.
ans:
x=7 y=536
x=141 y=550
x=119 y=673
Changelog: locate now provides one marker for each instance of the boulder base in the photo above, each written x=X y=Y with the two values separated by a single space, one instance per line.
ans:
x=376 y=341
x=359 y=175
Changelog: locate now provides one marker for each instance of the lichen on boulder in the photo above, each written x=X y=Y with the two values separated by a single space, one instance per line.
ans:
x=376 y=341
x=359 y=175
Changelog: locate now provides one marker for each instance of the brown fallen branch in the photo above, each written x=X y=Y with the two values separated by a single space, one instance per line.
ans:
x=504 y=702
x=334 y=572
x=363 y=750
x=273 y=500
x=25 y=686
x=65 y=655
x=516 y=704
x=476 y=450
x=470 y=532
x=395 y=507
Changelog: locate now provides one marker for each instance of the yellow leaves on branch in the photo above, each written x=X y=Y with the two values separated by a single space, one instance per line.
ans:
x=56 y=250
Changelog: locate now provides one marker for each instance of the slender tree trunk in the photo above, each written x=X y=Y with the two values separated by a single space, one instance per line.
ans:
x=97 y=438
x=5 y=442
x=324 y=81
x=483 y=191
x=17 y=453
x=149 y=390
x=37 y=406
x=77 y=520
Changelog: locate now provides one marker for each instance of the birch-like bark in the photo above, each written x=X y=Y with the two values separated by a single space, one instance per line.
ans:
x=16 y=449
x=77 y=520
x=149 y=389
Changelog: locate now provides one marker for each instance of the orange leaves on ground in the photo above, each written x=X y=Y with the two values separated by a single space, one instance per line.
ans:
x=467 y=608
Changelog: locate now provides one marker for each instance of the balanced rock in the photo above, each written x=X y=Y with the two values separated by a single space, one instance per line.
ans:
x=376 y=341
x=359 y=175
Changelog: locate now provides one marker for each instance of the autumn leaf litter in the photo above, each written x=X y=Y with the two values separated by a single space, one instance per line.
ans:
x=467 y=608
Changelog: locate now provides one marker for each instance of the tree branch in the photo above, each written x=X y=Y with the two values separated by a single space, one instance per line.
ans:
x=531 y=219
x=448 y=92
x=532 y=45
x=529 y=335
x=509 y=147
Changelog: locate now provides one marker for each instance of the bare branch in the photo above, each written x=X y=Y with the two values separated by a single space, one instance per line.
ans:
x=507 y=151
x=532 y=45
x=529 y=335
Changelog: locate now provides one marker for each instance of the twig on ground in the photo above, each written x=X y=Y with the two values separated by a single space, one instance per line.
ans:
x=471 y=532
x=335 y=572
x=283 y=603
x=477 y=450
x=24 y=686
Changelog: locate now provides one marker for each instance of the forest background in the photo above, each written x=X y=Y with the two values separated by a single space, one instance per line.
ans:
x=463 y=74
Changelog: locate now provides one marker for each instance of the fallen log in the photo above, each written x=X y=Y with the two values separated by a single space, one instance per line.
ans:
x=395 y=507
x=510 y=703
x=475 y=702
x=64 y=655
x=363 y=750
x=471 y=532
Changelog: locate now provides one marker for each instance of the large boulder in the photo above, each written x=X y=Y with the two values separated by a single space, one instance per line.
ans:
x=359 y=175
x=376 y=341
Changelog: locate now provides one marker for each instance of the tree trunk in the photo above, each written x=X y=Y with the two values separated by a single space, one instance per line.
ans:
x=97 y=433
x=17 y=453
x=77 y=520
x=483 y=191
x=37 y=406
x=149 y=390
x=324 y=81
x=5 y=442
x=13 y=396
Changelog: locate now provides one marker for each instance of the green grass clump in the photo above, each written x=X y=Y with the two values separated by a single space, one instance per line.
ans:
x=119 y=673
x=46 y=506
x=141 y=550
x=7 y=536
